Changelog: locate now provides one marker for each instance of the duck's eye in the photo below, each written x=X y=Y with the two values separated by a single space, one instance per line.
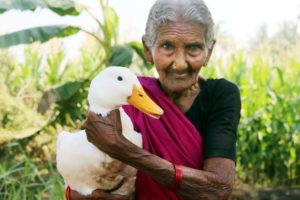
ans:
x=120 y=78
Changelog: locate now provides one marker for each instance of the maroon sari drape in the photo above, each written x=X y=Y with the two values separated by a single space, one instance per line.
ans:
x=172 y=137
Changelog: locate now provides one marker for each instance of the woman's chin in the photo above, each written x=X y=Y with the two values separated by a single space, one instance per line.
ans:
x=177 y=85
x=178 y=88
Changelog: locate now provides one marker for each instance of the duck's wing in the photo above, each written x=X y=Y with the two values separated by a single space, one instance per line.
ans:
x=85 y=168
x=79 y=162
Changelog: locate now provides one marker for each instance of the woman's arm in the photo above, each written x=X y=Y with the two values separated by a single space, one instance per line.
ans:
x=213 y=182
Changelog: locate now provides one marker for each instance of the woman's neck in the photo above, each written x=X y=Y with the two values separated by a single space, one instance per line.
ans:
x=185 y=98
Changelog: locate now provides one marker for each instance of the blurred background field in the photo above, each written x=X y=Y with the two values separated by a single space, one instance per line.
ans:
x=43 y=91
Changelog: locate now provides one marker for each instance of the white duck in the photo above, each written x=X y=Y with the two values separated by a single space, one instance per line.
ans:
x=82 y=165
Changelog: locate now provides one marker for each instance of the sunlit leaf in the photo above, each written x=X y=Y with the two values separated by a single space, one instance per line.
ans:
x=112 y=22
x=139 y=49
x=7 y=136
x=65 y=7
x=121 y=56
x=41 y=34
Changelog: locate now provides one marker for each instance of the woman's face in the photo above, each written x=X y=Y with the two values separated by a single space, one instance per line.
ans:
x=178 y=54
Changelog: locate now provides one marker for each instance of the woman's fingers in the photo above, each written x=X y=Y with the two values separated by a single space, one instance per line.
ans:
x=105 y=132
x=97 y=195
x=102 y=195
x=115 y=118
x=77 y=196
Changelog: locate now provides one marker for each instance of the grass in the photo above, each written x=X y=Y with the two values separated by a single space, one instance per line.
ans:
x=24 y=178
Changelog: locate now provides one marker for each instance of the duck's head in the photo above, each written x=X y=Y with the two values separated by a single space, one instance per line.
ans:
x=117 y=86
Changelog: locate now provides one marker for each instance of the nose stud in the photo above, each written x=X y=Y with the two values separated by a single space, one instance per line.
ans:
x=174 y=65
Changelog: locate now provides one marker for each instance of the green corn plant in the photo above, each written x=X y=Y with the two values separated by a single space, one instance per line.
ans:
x=268 y=145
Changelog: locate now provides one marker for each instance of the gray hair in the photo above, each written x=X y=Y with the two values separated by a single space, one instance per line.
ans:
x=164 y=11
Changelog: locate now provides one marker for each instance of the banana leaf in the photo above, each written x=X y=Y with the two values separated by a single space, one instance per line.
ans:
x=61 y=7
x=41 y=34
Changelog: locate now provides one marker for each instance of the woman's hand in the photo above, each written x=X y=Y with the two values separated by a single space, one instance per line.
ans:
x=105 y=132
x=97 y=195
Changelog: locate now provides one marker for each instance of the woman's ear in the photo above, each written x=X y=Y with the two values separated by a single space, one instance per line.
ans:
x=147 y=52
x=210 y=50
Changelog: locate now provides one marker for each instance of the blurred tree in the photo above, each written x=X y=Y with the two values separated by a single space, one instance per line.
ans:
x=262 y=36
x=286 y=35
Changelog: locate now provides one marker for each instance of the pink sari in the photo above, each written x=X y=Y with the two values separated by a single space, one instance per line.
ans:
x=172 y=137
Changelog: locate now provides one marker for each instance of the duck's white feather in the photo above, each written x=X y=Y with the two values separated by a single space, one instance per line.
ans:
x=82 y=165
x=85 y=168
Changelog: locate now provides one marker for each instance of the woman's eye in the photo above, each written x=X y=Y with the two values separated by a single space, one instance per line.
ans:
x=194 y=48
x=167 y=46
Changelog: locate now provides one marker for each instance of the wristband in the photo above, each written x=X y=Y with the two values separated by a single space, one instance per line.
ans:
x=68 y=193
x=178 y=178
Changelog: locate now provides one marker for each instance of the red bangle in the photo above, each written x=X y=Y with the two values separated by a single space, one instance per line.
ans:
x=68 y=193
x=178 y=178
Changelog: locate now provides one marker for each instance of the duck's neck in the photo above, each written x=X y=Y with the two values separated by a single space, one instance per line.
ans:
x=101 y=110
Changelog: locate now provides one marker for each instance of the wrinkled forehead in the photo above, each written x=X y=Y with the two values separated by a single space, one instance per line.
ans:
x=180 y=32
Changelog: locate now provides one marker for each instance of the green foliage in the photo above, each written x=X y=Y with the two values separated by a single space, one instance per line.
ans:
x=269 y=132
x=65 y=7
x=268 y=138
x=23 y=178
x=111 y=52
x=44 y=95
x=12 y=123
x=72 y=101
x=121 y=56
x=139 y=49
x=41 y=34
x=110 y=25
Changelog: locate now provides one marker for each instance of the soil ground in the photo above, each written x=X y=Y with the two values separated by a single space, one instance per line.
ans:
x=266 y=194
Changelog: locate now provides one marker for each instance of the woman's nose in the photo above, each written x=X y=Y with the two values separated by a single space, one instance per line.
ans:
x=180 y=62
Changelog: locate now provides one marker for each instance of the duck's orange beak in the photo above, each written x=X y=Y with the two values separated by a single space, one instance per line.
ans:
x=140 y=100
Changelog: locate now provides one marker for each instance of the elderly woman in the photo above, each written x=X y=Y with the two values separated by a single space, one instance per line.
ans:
x=189 y=153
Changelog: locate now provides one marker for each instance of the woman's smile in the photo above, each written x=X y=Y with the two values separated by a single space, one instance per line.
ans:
x=180 y=74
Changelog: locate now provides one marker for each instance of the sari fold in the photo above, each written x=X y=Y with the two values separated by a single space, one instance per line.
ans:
x=172 y=137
